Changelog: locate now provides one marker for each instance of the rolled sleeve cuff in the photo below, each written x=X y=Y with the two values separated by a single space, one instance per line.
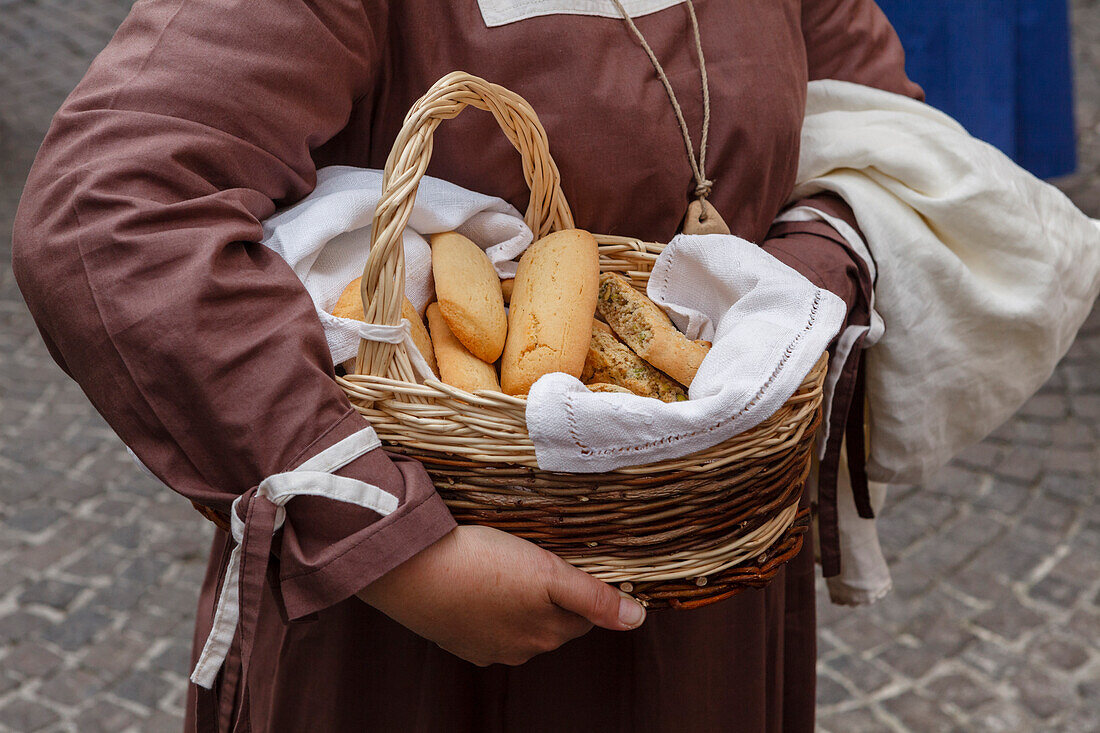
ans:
x=330 y=550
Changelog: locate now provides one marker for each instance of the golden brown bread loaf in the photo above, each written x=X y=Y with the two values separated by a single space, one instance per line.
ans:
x=611 y=361
x=506 y=289
x=457 y=366
x=350 y=305
x=647 y=330
x=550 y=316
x=468 y=290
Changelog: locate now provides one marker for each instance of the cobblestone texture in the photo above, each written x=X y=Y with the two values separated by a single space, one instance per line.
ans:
x=994 y=624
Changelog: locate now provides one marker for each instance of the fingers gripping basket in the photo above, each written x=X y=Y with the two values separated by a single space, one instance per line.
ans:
x=679 y=533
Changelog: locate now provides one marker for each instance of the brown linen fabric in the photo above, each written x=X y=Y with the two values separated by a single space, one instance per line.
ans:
x=824 y=264
x=135 y=247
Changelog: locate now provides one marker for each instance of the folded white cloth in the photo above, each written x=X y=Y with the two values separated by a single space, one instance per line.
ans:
x=325 y=239
x=984 y=272
x=769 y=325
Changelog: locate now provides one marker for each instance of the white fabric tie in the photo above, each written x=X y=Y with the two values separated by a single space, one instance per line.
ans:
x=313 y=478
x=385 y=333
x=399 y=334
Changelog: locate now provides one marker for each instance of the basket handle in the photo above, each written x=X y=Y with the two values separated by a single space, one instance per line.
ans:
x=383 y=284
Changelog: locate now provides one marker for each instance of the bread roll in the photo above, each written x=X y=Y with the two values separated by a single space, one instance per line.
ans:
x=647 y=330
x=550 y=316
x=610 y=361
x=506 y=289
x=350 y=302
x=350 y=305
x=419 y=333
x=457 y=366
x=468 y=290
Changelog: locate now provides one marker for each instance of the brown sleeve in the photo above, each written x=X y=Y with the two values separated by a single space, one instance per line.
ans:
x=824 y=257
x=851 y=40
x=135 y=247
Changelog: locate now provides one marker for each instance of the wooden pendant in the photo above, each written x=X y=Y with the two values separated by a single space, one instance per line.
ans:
x=702 y=218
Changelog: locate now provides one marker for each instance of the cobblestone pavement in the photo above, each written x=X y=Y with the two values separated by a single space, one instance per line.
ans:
x=994 y=624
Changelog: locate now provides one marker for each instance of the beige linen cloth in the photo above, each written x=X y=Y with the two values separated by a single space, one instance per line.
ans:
x=983 y=275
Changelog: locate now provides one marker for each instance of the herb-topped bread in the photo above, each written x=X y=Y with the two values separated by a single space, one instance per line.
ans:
x=610 y=361
x=605 y=387
x=647 y=330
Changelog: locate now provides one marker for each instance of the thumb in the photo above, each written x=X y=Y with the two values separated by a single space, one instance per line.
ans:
x=604 y=606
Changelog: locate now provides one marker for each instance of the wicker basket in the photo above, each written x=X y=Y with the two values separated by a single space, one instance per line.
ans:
x=679 y=533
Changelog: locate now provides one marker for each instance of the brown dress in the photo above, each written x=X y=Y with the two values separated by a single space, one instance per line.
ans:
x=135 y=247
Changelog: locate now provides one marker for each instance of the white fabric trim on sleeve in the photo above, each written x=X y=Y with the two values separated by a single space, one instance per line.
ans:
x=312 y=478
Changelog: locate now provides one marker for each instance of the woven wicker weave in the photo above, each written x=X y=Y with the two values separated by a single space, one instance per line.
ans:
x=678 y=533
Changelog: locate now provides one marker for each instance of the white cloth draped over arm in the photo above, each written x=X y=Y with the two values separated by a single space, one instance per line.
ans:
x=984 y=272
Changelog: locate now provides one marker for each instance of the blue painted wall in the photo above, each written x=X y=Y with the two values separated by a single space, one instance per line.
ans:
x=1001 y=67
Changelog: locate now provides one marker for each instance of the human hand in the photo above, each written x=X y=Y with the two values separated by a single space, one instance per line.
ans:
x=489 y=597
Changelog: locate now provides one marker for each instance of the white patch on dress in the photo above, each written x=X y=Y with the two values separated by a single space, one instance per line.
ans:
x=503 y=12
